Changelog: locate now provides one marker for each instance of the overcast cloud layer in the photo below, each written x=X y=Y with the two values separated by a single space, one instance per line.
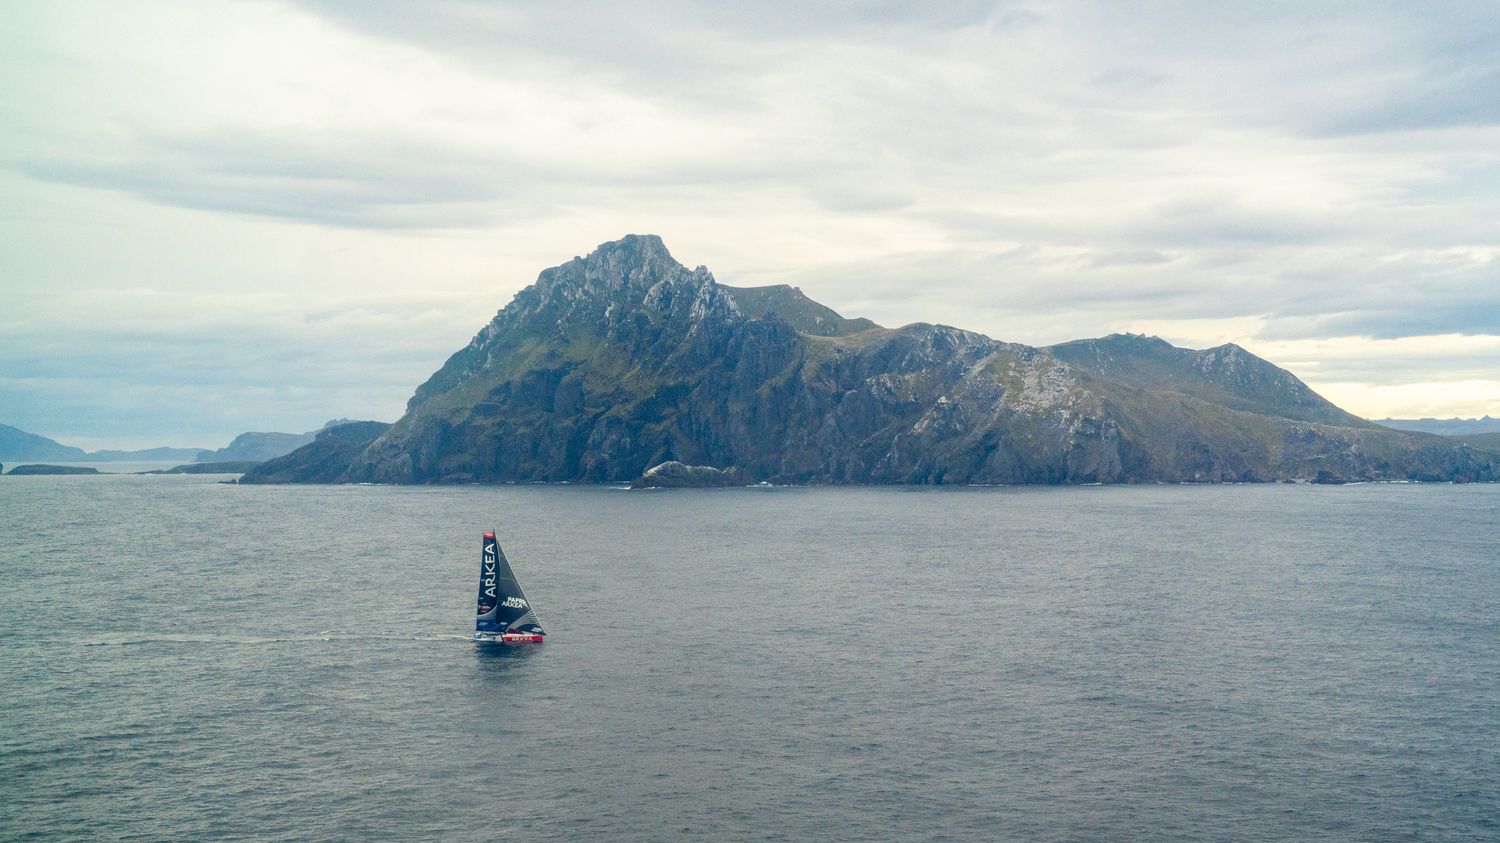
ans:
x=218 y=217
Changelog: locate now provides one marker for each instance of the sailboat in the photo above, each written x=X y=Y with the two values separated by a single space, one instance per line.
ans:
x=505 y=616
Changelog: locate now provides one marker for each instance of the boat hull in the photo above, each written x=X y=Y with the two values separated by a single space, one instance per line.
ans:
x=509 y=638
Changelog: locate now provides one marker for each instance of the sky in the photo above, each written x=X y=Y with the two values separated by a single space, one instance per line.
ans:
x=227 y=216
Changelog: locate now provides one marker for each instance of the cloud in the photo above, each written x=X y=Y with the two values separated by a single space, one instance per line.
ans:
x=1226 y=221
x=1446 y=78
x=305 y=172
x=276 y=180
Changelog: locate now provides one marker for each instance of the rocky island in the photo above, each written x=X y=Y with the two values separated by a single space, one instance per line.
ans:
x=38 y=469
x=676 y=475
x=625 y=359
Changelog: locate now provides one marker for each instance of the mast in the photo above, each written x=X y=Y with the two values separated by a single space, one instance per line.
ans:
x=503 y=607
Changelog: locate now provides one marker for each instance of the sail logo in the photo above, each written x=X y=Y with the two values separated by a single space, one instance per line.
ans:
x=514 y=603
x=488 y=575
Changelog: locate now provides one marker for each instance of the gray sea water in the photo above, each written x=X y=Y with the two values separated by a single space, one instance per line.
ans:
x=186 y=660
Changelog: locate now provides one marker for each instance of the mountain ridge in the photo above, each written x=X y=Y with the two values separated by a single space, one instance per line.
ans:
x=1445 y=427
x=625 y=359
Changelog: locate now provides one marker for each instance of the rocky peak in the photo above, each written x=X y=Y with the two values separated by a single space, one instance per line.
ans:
x=1109 y=352
x=947 y=340
x=711 y=300
x=1232 y=360
x=1227 y=351
x=633 y=261
x=1127 y=338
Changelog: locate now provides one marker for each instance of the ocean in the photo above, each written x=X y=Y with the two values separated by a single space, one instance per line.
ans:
x=186 y=660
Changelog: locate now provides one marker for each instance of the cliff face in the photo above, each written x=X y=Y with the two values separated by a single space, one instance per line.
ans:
x=626 y=359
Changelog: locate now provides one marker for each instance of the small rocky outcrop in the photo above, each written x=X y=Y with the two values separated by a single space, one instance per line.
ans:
x=1324 y=477
x=676 y=475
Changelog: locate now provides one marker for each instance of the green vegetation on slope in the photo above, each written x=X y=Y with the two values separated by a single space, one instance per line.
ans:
x=791 y=306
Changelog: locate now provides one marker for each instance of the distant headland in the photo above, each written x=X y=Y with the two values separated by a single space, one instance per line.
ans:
x=17 y=445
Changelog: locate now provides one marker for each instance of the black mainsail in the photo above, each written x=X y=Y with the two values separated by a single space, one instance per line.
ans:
x=503 y=607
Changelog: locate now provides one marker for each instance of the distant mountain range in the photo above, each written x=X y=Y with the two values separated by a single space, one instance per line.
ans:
x=1445 y=427
x=259 y=447
x=615 y=363
x=256 y=447
x=17 y=445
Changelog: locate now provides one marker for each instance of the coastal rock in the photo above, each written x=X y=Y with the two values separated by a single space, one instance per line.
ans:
x=676 y=475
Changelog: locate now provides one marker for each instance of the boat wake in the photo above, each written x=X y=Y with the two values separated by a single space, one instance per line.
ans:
x=128 y=639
